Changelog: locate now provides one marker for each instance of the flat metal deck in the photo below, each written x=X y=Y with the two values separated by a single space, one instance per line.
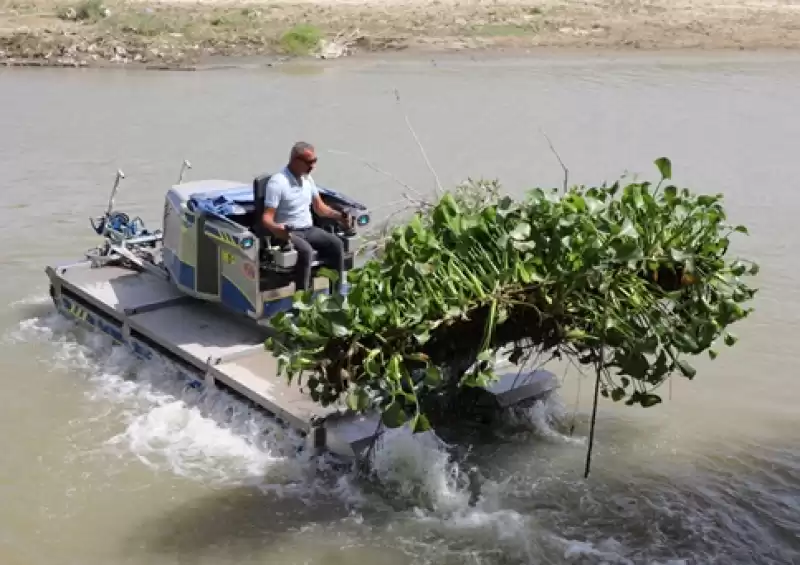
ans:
x=148 y=313
x=218 y=345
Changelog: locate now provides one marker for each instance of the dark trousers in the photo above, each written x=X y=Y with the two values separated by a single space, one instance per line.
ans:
x=328 y=247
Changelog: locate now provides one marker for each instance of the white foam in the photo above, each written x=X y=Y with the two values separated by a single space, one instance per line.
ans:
x=606 y=552
x=206 y=435
x=417 y=467
x=209 y=436
x=544 y=418
x=191 y=432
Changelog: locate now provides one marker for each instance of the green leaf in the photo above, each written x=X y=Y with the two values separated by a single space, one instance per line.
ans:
x=352 y=400
x=648 y=400
x=358 y=400
x=433 y=376
x=636 y=365
x=328 y=273
x=422 y=337
x=686 y=369
x=626 y=250
x=593 y=205
x=628 y=230
x=418 y=356
x=421 y=424
x=520 y=232
x=331 y=303
x=394 y=416
x=738 y=268
x=741 y=229
x=370 y=365
x=300 y=302
x=576 y=334
x=664 y=167
x=524 y=245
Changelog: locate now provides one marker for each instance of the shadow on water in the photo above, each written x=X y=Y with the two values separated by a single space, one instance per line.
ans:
x=730 y=507
x=713 y=512
x=246 y=522
x=240 y=520
x=32 y=310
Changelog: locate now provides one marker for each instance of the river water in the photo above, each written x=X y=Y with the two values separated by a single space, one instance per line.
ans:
x=107 y=461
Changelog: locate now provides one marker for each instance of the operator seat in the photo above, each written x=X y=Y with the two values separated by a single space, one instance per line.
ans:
x=258 y=227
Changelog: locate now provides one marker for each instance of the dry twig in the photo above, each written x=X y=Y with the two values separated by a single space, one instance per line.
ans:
x=439 y=189
x=378 y=170
x=340 y=45
x=563 y=167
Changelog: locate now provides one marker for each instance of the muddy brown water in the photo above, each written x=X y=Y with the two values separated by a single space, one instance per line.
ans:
x=106 y=460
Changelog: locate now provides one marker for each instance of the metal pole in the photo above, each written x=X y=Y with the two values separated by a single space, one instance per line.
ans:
x=186 y=165
x=120 y=175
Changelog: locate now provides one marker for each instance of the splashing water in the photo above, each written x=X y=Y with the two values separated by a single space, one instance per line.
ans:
x=444 y=508
x=205 y=435
x=170 y=425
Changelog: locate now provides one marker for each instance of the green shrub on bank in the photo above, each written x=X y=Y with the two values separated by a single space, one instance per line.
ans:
x=301 y=39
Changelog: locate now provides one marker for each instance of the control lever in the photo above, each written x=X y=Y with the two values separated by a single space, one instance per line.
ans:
x=350 y=230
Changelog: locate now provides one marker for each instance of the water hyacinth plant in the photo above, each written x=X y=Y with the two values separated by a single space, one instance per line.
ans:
x=631 y=279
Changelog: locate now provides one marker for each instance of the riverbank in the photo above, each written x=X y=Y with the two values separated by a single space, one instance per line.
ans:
x=177 y=33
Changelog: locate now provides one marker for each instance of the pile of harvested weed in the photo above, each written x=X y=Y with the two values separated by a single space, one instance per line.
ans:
x=631 y=279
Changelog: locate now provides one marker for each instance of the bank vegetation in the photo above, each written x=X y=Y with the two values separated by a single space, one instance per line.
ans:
x=179 y=33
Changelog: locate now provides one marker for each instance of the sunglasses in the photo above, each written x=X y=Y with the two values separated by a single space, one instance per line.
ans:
x=308 y=161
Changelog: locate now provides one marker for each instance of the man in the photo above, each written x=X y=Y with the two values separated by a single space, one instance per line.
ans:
x=290 y=194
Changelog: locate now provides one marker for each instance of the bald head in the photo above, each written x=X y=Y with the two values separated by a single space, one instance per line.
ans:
x=302 y=158
x=301 y=148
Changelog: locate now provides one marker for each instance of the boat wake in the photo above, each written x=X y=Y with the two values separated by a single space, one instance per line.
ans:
x=205 y=435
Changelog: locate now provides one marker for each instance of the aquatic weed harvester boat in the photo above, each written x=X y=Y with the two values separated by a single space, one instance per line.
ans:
x=202 y=291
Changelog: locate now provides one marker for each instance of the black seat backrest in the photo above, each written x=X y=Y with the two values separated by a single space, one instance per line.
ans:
x=259 y=193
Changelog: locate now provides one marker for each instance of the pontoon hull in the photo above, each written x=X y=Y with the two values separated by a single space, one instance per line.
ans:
x=213 y=347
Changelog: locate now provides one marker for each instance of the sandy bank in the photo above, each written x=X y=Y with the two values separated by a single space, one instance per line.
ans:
x=183 y=32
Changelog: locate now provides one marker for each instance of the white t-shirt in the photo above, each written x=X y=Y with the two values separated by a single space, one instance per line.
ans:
x=291 y=197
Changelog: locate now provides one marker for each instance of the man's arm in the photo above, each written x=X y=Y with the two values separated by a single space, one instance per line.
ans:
x=324 y=210
x=272 y=199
